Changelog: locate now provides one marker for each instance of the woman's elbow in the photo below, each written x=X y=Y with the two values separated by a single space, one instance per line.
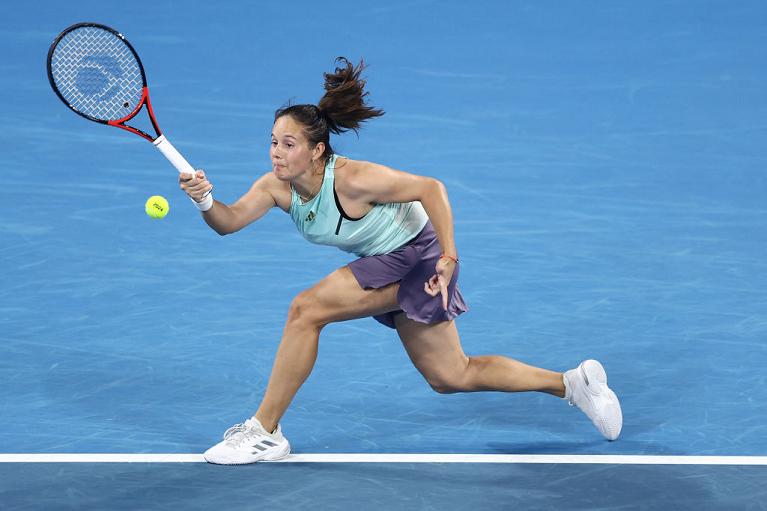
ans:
x=219 y=228
x=223 y=230
x=437 y=185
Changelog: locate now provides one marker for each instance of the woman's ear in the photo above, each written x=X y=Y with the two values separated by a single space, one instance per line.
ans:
x=318 y=151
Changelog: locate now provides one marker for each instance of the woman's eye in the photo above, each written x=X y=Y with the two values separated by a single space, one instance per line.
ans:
x=289 y=145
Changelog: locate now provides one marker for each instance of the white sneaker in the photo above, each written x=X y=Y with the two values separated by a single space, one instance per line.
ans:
x=586 y=387
x=248 y=442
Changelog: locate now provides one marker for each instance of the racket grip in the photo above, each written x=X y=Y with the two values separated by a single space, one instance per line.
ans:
x=170 y=152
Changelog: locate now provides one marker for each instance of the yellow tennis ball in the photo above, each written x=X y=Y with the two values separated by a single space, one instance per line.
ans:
x=156 y=206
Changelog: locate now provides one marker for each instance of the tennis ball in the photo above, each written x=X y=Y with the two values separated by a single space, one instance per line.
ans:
x=156 y=206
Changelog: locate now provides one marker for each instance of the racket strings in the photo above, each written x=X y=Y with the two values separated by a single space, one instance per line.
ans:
x=97 y=73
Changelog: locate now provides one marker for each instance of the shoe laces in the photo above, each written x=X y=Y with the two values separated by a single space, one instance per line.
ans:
x=240 y=433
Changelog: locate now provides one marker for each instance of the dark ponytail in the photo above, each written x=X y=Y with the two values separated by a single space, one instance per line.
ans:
x=344 y=100
x=341 y=109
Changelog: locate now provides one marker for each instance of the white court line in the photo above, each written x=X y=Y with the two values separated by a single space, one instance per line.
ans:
x=400 y=458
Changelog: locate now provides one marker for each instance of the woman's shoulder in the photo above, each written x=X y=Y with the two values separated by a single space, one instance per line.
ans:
x=354 y=176
x=279 y=190
x=346 y=169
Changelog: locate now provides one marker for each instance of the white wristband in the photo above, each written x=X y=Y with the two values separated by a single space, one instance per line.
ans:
x=206 y=204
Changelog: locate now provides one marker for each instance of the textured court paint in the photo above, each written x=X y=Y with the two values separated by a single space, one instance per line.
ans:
x=606 y=169
x=380 y=486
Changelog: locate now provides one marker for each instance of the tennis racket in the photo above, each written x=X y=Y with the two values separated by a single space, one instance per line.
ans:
x=96 y=72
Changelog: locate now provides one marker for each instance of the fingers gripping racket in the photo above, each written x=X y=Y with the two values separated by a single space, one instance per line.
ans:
x=96 y=72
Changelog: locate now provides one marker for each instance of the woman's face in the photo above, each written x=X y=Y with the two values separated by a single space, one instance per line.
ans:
x=290 y=151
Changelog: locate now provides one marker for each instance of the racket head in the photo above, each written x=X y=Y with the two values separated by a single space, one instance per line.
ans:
x=96 y=72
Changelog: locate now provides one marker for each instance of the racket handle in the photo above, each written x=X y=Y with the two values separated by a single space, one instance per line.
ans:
x=170 y=152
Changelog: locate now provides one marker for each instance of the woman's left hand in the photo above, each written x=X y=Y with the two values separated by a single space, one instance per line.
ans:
x=438 y=283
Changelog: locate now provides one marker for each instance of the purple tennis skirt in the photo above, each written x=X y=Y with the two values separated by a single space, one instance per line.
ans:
x=411 y=265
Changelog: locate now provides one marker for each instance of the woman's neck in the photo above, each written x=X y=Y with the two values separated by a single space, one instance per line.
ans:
x=308 y=185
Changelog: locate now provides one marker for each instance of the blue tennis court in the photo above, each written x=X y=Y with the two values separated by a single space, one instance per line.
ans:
x=606 y=167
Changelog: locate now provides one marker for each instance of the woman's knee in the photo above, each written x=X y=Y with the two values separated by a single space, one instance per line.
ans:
x=443 y=386
x=306 y=308
x=448 y=382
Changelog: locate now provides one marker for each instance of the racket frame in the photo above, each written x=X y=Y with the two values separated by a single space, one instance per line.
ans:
x=162 y=143
x=118 y=123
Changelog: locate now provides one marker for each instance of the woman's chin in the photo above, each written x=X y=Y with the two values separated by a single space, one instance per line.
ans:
x=280 y=173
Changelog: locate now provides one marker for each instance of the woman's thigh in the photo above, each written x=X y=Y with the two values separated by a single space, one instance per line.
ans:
x=339 y=297
x=435 y=349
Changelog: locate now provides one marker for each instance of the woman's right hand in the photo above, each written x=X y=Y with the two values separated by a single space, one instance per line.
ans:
x=197 y=186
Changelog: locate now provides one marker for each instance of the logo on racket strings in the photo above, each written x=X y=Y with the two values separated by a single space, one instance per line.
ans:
x=98 y=78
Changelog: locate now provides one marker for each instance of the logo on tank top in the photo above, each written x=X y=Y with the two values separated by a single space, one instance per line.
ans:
x=310 y=216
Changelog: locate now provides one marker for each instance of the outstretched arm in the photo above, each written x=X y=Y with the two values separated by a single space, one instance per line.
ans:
x=228 y=219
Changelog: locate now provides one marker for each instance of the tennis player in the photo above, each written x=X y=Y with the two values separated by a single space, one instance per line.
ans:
x=400 y=227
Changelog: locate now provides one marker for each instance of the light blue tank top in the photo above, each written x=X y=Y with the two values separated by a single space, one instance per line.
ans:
x=383 y=229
